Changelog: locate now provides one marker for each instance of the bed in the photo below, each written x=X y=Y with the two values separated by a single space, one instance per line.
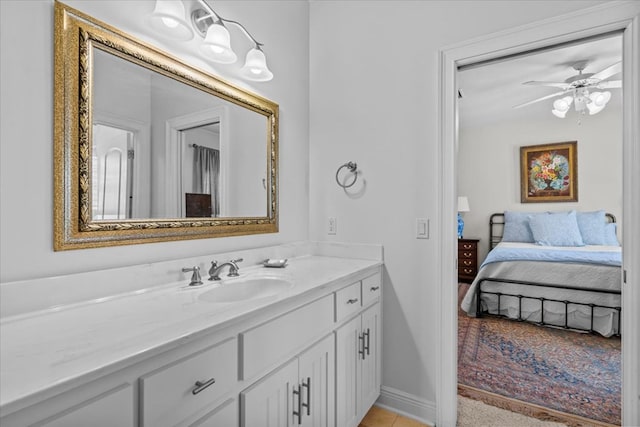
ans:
x=566 y=273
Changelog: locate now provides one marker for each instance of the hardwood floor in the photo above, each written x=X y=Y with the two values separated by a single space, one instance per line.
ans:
x=378 y=417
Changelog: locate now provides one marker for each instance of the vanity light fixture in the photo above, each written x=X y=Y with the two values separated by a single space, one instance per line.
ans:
x=168 y=18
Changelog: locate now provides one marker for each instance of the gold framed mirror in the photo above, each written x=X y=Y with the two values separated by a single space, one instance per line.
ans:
x=150 y=149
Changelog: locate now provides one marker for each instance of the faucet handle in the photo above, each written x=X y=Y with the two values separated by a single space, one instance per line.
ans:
x=212 y=270
x=195 y=277
x=235 y=261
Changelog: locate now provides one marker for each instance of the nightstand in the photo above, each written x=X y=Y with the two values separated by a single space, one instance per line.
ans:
x=467 y=259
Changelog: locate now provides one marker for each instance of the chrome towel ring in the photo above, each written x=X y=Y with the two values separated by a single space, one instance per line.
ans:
x=353 y=168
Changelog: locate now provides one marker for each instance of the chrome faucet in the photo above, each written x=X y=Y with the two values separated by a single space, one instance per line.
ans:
x=215 y=269
x=195 y=277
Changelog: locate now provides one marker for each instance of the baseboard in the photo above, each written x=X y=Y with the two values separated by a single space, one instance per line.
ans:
x=408 y=405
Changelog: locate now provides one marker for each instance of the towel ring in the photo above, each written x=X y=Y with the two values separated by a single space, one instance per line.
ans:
x=353 y=168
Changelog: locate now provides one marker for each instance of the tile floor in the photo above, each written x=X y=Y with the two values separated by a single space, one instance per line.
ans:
x=378 y=417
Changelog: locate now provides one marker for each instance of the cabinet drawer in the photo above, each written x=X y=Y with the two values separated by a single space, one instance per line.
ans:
x=110 y=409
x=467 y=263
x=467 y=254
x=466 y=271
x=268 y=344
x=347 y=301
x=371 y=288
x=466 y=246
x=173 y=393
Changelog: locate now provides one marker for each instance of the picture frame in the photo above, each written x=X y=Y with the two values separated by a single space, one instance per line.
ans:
x=549 y=173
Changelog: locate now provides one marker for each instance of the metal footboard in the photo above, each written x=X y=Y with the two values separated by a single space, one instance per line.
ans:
x=567 y=303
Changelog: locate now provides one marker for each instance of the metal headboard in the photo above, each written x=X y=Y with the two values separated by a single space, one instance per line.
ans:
x=496 y=227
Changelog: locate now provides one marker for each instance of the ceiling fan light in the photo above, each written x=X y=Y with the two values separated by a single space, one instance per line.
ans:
x=562 y=104
x=168 y=19
x=560 y=114
x=217 y=45
x=600 y=99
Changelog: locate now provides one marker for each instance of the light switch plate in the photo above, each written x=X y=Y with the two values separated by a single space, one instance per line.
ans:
x=422 y=228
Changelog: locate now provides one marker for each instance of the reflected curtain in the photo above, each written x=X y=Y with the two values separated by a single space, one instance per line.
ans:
x=206 y=175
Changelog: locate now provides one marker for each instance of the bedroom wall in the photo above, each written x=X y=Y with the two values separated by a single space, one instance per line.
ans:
x=494 y=186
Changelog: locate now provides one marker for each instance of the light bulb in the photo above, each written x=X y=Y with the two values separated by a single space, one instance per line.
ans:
x=168 y=20
x=217 y=45
x=255 y=66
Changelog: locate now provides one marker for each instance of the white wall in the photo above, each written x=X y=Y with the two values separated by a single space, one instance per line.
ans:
x=374 y=69
x=26 y=132
x=495 y=186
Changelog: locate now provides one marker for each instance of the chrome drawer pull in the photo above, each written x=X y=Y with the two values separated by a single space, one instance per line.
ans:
x=352 y=301
x=202 y=385
x=361 y=346
x=298 y=413
x=368 y=335
x=308 y=387
x=374 y=288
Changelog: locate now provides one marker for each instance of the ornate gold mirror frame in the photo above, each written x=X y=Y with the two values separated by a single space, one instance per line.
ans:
x=76 y=34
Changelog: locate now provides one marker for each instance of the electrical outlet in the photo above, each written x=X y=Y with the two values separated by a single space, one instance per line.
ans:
x=332 y=225
x=422 y=228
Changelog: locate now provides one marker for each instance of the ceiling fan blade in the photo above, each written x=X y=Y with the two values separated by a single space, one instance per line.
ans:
x=611 y=84
x=608 y=72
x=540 y=99
x=552 y=84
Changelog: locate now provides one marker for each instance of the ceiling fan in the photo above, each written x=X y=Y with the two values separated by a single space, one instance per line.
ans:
x=578 y=90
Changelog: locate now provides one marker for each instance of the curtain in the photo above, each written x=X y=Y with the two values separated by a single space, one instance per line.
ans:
x=206 y=175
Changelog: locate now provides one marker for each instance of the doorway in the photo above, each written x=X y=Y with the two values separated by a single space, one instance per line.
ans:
x=546 y=33
x=490 y=134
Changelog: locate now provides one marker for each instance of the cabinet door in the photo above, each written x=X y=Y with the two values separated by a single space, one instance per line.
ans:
x=348 y=346
x=316 y=368
x=370 y=364
x=269 y=402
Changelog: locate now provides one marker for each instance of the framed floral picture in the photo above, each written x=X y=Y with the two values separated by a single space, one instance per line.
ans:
x=549 y=173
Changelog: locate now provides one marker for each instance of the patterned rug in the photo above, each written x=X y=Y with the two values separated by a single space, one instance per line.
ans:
x=562 y=370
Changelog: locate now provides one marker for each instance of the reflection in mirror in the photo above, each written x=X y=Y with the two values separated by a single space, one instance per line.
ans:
x=178 y=117
x=150 y=149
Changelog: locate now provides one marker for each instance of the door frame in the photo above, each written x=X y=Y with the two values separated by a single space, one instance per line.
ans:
x=602 y=19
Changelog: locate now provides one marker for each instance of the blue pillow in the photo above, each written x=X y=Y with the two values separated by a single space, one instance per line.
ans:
x=556 y=229
x=591 y=225
x=516 y=226
x=610 y=237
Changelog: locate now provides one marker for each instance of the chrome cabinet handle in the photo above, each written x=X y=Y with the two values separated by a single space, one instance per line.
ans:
x=298 y=413
x=352 y=301
x=307 y=385
x=374 y=288
x=202 y=385
x=361 y=345
x=368 y=335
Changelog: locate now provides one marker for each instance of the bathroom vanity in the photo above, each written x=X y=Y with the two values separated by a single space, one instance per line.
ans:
x=298 y=345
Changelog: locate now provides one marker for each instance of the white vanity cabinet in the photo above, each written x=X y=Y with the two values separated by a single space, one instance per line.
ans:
x=311 y=361
x=300 y=393
x=358 y=362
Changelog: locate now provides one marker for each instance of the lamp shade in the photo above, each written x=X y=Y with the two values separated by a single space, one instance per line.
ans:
x=463 y=204
x=217 y=45
x=168 y=19
x=598 y=101
x=255 y=66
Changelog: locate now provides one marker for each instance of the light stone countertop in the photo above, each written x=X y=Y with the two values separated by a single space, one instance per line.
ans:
x=57 y=346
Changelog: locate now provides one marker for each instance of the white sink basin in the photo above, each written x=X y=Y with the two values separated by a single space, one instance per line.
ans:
x=246 y=289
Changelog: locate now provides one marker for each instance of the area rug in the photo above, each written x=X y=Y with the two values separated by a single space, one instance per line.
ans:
x=564 y=371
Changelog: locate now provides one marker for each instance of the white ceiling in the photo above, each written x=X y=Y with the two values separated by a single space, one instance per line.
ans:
x=489 y=92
